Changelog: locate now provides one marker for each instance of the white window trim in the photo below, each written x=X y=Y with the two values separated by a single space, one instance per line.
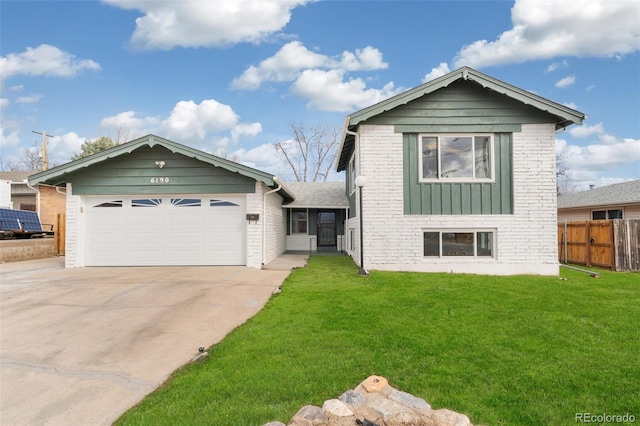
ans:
x=352 y=174
x=475 y=257
x=457 y=180
x=606 y=210
x=291 y=223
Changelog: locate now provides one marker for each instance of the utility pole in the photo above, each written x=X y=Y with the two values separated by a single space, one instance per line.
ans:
x=44 y=147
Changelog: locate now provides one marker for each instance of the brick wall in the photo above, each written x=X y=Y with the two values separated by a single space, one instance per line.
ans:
x=254 y=229
x=276 y=233
x=526 y=240
x=53 y=214
x=20 y=250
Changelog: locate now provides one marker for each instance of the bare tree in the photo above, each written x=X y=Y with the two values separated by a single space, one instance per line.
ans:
x=311 y=152
x=564 y=179
x=223 y=152
x=31 y=160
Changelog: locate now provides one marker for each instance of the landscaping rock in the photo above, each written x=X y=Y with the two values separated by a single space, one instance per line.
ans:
x=374 y=402
x=337 y=408
x=352 y=398
x=313 y=414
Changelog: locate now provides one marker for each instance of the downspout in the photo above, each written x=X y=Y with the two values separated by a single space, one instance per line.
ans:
x=264 y=216
x=37 y=196
x=356 y=149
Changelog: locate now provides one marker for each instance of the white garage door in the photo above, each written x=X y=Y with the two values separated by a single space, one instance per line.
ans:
x=165 y=230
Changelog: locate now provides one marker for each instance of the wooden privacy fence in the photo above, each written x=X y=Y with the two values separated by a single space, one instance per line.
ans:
x=612 y=244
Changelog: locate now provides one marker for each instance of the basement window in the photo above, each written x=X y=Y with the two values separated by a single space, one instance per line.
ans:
x=473 y=244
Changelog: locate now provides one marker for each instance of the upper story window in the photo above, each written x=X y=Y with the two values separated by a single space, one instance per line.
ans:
x=298 y=221
x=352 y=174
x=456 y=158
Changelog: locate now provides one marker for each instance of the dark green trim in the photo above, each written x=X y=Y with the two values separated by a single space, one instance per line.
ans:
x=60 y=175
x=458 y=198
x=457 y=128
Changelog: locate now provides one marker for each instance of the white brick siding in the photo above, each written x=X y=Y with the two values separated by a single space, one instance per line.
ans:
x=526 y=240
x=275 y=232
x=254 y=229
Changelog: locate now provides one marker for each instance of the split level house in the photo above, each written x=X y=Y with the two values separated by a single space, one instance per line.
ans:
x=460 y=177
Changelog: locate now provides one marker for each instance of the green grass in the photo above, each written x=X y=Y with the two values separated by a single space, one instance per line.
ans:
x=522 y=350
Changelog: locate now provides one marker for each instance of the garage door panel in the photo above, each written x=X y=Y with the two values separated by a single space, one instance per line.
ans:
x=168 y=231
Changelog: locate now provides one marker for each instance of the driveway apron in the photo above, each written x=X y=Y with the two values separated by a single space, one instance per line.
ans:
x=81 y=346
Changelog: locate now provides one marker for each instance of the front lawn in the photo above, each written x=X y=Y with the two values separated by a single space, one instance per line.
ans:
x=521 y=350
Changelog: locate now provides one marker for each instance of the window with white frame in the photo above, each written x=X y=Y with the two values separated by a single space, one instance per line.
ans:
x=466 y=157
x=606 y=214
x=352 y=174
x=299 y=221
x=474 y=244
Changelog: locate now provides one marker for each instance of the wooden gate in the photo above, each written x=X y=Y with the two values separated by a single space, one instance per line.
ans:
x=587 y=243
x=60 y=234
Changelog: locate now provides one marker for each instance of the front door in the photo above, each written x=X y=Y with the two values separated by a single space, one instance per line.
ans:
x=326 y=230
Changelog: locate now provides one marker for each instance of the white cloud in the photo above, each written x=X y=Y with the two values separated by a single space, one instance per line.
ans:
x=542 y=30
x=129 y=121
x=590 y=87
x=9 y=140
x=190 y=121
x=367 y=59
x=197 y=23
x=264 y=157
x=571 y=105
x=585 y=131
x=555 y=65
x=327 y=90
x=250 y=130
x=44 y=60
x=436 y=72
x=28 y=99
x=566 y=82
x=61 y=148
x=294 y=57
x=4 y=102
x=16 y=88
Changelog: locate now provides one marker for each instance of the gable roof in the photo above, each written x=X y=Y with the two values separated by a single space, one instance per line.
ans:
x=318 y=195
x=616 y=194
x=57 y=175
x=15 y=176
x=565 y=116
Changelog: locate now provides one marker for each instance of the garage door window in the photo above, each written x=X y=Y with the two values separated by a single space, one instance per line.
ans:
x=186 y=202
x=146 y=202
x=117 y=203
x=221 y=203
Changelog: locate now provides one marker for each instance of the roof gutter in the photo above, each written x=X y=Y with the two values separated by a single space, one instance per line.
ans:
x=264 y=216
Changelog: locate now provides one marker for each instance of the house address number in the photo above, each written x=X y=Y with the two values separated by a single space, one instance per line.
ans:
x=159 y=180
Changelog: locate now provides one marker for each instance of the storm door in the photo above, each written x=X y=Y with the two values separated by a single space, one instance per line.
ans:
x=326 y=230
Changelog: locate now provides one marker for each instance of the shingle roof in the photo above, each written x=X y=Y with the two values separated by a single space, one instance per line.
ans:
x=318 y=194
x=616 y=194
x=15 y=176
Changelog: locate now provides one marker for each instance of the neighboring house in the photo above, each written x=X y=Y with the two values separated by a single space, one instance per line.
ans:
x=48 y=201
x=153 y=201
x=316 y=216
x=460 y=178
x=617 y=201
x=22 y=197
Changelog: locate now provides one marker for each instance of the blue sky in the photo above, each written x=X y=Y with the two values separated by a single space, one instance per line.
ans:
x=233 y=75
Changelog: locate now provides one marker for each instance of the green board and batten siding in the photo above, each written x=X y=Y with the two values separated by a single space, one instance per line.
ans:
x=458 y=198
x=461 y=107
x=132 y=174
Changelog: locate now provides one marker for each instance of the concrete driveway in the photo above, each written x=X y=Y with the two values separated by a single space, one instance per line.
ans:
x=81 y=346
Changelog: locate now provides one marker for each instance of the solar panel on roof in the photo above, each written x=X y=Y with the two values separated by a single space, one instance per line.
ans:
x=19 y=220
